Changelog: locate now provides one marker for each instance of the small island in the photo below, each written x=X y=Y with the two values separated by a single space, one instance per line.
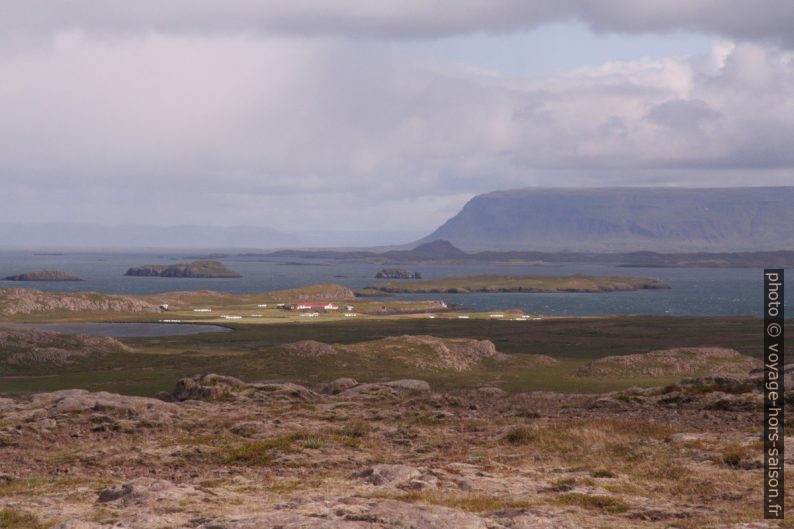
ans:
x=397 y=273
x=529 y=284
x=43 y=275
x=196 y=269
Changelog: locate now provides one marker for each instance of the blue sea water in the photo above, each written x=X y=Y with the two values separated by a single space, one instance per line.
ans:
x=695 y=291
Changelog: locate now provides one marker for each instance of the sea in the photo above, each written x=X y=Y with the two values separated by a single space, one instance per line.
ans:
x=693 y=292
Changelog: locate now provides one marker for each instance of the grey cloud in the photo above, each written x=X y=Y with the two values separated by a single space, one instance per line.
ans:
x=682 y=113
x=756 y=20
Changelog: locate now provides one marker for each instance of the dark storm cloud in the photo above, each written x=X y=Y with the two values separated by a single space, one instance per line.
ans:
x=761 y=19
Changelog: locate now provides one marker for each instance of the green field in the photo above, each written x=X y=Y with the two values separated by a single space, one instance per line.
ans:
x=248 y=352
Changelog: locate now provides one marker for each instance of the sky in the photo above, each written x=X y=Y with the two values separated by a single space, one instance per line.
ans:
x=379 y=116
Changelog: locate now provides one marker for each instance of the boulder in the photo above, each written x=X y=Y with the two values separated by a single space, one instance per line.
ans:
x=138 y=491
x=338 y=386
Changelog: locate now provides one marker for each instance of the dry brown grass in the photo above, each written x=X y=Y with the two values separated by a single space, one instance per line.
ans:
x=606 y=504
x=471 y=502
x=16 y=519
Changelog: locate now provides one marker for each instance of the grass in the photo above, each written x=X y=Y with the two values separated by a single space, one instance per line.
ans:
x=313 y=443
x=521 y=436
x=598 y=502
x=42 y=484
x=736 y=455
x=356 y=429
x=466 y=502
x=262 y=452
x=616 y=438
x=14 y=519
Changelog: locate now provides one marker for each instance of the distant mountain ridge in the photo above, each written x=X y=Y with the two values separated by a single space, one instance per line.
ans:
x=625 y=220
x=188 y=236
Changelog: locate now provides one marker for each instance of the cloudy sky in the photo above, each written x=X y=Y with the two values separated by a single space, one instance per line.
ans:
x=362 y=115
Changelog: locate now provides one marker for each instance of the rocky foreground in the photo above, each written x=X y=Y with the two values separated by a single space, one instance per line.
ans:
x=219 y=453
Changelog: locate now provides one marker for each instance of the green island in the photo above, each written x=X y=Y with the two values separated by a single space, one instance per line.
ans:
x=43 y=275
x=529 y=284
x=195 y=269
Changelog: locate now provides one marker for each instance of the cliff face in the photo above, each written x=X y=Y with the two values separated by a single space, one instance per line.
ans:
x=625 y=219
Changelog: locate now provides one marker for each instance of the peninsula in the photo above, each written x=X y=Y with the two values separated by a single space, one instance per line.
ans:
x=536 y=284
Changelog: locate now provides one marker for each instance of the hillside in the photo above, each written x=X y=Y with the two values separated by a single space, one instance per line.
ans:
x=625 y=219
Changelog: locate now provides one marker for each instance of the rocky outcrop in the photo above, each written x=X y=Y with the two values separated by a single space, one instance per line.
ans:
x=32 y=346
x=207 y=387
x=673 y=362
x=710 y=393
x=79 y=411
x=457 y=354
x=389 y=390
x=15 y=301
x=43 y=275
x=214 y=387
x=430 y=352
x=196 y=269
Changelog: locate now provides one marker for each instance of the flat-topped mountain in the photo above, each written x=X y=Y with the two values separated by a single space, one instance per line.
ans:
x=196 y=269
x=43 y=275
x=625 y=219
